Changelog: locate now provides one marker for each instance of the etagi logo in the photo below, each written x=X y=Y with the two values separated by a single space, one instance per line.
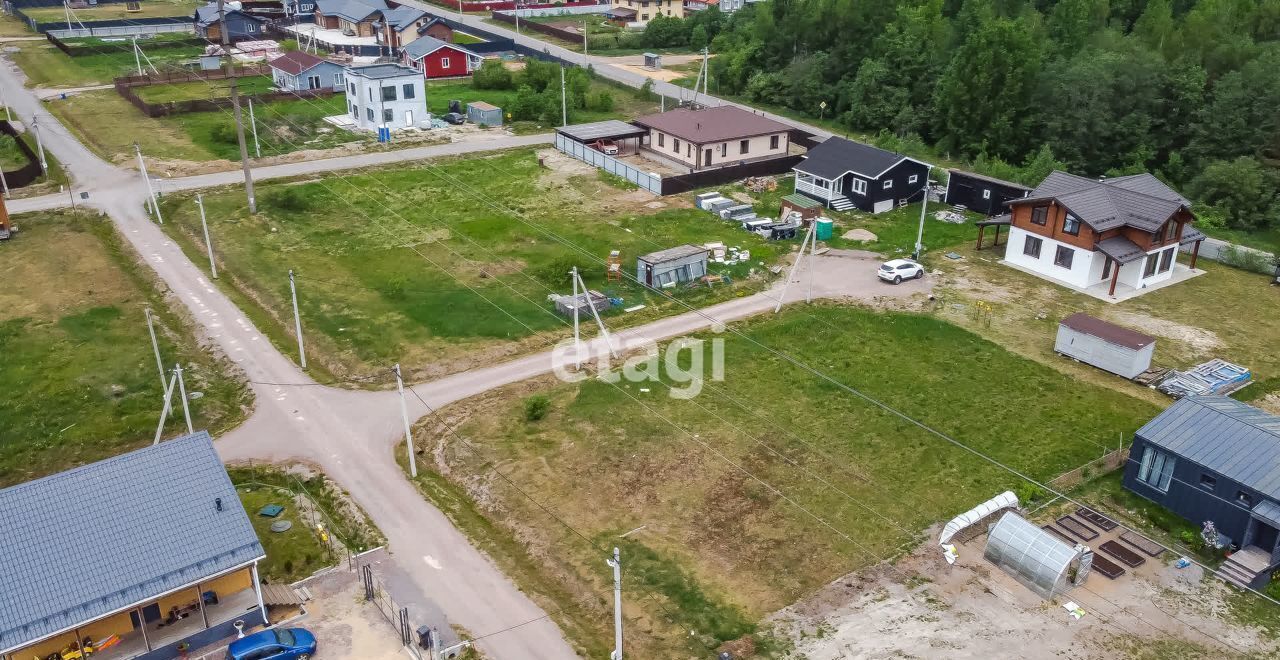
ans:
x=683 y=362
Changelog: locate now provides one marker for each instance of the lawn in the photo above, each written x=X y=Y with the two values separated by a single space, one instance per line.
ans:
x=713 y=548
x=47 y=66
x=283 y=127
x=626 y=105
x=78 y=374
x=293 y=554
x=202 y=89
x=109 y=125
x=115 y=11
x=462 y=39
x=11 y=158
x=389 y=263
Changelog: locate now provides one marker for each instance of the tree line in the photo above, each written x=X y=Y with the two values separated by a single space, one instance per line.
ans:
x=1186 y=89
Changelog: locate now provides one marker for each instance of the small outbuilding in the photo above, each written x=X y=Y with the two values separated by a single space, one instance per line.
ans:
x=1107 y=346
x=652 y=61
x=485 y=114
x=982 y=194
x=1034 y=557
x=672 y=266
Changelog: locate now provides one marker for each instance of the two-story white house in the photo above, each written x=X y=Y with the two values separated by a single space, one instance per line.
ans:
x=390 y=95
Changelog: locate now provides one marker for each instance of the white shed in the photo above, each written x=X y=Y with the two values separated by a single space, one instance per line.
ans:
x=1105 y=345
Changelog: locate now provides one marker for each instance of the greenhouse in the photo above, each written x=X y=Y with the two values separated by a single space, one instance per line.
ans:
x=1033 y=556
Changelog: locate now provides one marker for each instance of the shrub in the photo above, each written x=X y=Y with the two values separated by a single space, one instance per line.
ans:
x=1028 y=492
x=1246 y=259
x=601 y=102
x=288 y=198
x=224 y=133
x=492 y=75
x=536 y=407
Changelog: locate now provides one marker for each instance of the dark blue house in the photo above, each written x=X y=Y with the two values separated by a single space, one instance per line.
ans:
x=1214 y=458
x=241 y=26
x=844 y=174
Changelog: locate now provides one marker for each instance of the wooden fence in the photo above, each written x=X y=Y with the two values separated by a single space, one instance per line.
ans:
x=1111 y=461
x=170 y=77
x=549 y=30
x=211 y=104
x=76 y=50
x=27 y=174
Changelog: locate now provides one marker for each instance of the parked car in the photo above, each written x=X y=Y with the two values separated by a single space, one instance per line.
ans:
x=275 y=644
x=900 y=269
x=453 y=118
x=606 y=147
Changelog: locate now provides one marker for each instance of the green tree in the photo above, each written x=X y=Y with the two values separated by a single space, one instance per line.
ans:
x=1072 y=23
x=492 y=74
x=1243 y=190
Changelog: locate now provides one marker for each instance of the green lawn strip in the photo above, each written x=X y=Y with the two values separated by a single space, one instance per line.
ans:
x=52 y=180
x=115 y=11
x=203 y=89
x=293 y=554
x=11 y=158
x=78 y=371
x=45 y=65
x=462 y=38
x=476 y=279
x=1267 y=240
x=348 y=524
x=626 y=105
x=283 y=127
x=10 y=26
x=609 y=459
x=110 y=126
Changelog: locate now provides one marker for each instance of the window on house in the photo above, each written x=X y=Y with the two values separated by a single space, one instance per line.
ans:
x=353 y=88
x=675 y=145
x=859 y=186
x=337 y=79
x=913 y=178
x=1156 y=469
x=644 y=17
x=661 y=140
x=986 y=194
x=888 y=183
x=369 y=113
x=370 y=93
x=1166 y=259
x=444 y=62
x=408 y=91
x=1031 y=247
x=774 y=141
x=744 y=146
x=724 y=149
x=1208 y=482
x=1071 y=224
x=389 y=93
x=1149 y=269
x=1244 y=498
x=1040 y=215
x=355 y=112
x=1170 y=230
x=1064 y=256
x=387 y=116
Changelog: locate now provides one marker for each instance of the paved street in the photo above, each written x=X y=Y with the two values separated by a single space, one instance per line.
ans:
x=348 y=433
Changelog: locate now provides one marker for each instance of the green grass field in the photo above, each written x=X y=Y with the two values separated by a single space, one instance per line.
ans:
x=78 y=375
x=714 y=547
x=49 y=67
x=390 y=263
x=293 y=554
x=115 y=11
x=210 y=89
x=11 y=157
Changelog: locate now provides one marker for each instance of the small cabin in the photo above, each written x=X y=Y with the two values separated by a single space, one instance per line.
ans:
x=1107 y=346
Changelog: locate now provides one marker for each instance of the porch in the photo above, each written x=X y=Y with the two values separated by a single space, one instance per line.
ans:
x=826 y=191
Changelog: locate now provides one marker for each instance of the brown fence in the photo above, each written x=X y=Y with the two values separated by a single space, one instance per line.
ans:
x=674 y=185
x=213 y=104
x=27 y=174
x=1107 y=463
x=190 y=76
x=549 y=30
x=75 y=50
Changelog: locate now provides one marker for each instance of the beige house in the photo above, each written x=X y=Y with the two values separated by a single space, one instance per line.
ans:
x=640 y=12
x=714 y=137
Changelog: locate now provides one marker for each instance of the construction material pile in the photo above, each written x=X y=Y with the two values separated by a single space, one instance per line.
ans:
x=1212 y=377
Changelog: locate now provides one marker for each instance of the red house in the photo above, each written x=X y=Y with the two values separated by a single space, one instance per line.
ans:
x=439 y=59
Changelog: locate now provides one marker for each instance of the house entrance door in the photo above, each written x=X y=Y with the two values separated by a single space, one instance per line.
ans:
x=1106 y=269
x=313 y=82
x=1265 y=536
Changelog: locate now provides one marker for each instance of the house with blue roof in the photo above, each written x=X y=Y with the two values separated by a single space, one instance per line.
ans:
x=1212 y=458
x=130 y=556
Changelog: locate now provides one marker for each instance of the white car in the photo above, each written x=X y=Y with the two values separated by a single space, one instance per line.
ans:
x=900 y=269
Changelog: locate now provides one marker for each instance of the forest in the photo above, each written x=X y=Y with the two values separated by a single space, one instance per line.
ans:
x=1186 y=89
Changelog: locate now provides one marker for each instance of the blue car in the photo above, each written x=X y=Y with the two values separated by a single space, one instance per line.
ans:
x=277 y=644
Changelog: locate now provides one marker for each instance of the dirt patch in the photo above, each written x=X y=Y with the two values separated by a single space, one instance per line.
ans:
x=559 y=168
x=859 y=235
x=1199 y=339
x=346 y=627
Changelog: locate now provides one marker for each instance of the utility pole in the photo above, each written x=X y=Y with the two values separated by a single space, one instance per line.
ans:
x=577 y=342
x=164 y=412
x=408 y=432
x=137 y=59
x=235 y=107
x=155 y=347
x=564 y=105
x=813 y=249
x=257 y=150
x=586 y=297
x=151 y=194
x=924 y=205
x=182 y=392
x=204 y=224
x=616 y=565
x=44 y=165
x=585 y=22
x=706 y=68
x=297 y=321
x=516 y=4
x=791 y=275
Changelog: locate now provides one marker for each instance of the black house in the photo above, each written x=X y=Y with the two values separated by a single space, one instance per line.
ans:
x=844 y=174
x=981 y=194
x=1214 y=458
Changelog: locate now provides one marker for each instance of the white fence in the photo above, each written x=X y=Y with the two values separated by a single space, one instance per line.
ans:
x=123 y=30
x=557 y=11
x=652 y=183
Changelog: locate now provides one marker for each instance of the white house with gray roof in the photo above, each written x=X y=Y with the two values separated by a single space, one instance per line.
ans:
x=132 y=556
x=390 y=95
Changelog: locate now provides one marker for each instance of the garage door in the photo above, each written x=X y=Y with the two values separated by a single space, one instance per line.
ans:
x=881 y=207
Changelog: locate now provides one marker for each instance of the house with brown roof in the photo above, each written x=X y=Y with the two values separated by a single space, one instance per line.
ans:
x=710 y=138
x=1107 y=237
x=297 y=71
